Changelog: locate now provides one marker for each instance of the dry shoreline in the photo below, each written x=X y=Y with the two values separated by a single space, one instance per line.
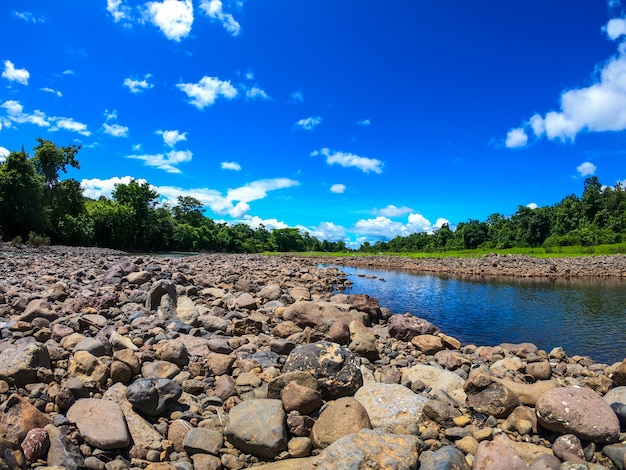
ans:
x=493 y=265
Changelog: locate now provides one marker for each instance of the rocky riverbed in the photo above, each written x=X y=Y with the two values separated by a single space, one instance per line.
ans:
x=116 y=361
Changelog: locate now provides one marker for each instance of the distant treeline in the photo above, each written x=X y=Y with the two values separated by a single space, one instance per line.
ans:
x=37 y=207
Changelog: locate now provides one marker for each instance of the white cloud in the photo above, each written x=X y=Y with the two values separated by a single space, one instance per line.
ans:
x=532 y=206
x=115 y=130
x=15 y=75
x=29 y=17
x=516 y=138
x=4 y=153
x=214 y=9
x=15 y=113
x=69 y=124
x=137 y=86
x=310 y=123
x=171 y=138
x=338 y=188
x=600 y=107
x=173 y=17
x=393 y=211
x=255 y=222
x=54 y=92
x=329 y=231
x=383 y=228
x=586 y=169
x=118 y=10
x=230 y=166
x=136 y=147
x=94 y=188
x=69 y=72
x=166 y=162
x=256 y=93
x=615 y=28
x=364 y=122
x=207 y=90
x=350 y=160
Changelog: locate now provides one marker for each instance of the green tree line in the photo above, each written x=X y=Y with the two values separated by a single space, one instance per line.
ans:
x=36 y=206
x=596 y=218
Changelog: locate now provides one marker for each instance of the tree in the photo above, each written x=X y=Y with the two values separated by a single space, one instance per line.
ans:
x=21 y=197
x=592 y=198
x=188 y=211
x=142 y=199
x=49 y=159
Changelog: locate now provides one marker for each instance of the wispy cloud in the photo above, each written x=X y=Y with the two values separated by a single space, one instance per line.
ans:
x=338 y=188
x=173 y=17
x=230 y=166
x=364 y=122
x=4 y=153
x=136 y=85
x=15 y=75
x=310 y=123
x=207 y=90
x=15 y=113
x=364 y=164
x=393 y=211
x=296 y=97
x=54 y=92
x=383 y=228
x=171 y=138
x=256 y=93
x=215 y=10
x=115 y=130
x=586 y=169
x=600 y=107
x=167 y=162
x=29 y=17
x=69 y=124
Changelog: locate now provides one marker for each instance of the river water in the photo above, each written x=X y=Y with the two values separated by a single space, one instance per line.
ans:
x=586 y=318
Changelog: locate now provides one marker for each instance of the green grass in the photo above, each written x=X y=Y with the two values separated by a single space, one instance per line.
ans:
x=551 y=252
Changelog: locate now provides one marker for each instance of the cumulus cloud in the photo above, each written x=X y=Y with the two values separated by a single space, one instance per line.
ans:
x=393 y=211
x=171 y=138
x=167 y=162
x=15 y=75
x=363 y=122
x=586 y=169
x=516 y=138
x=230 y=166
x=600 y=107
x=383 y=228
x=350 y=160
x=173 y=17
x=94 y=188
x=207 y=90
x=255 y=222
x=136 y=85
x=215 y=10
x=118 y=10
x=329 y=231
x=532 y=206
x=4 y=153
x=69 y=124
x=310 y=123
x=338 y=188
x=15 y=113
x=53 y=91
x=115 y=130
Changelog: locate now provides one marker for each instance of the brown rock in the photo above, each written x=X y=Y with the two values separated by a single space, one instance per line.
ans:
x=578 y=411
x=406 y=327
x=569 y=448
x=18 y=416
x=494 y=456
x=220 y=364
x=300 y=398
x=528 y=394
x=339 y=332
x=176 y=433
x=428 y=344
x=341 y=417
x=522 y=420
x=539 y=370
x=485 y=395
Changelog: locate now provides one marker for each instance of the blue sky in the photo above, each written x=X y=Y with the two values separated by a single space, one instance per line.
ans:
x=355 y=120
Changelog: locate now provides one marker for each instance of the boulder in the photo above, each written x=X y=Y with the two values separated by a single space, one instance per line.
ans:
x=100 y=422
x=341 y=417
x=406 y=327
x=437 y=379
x=19 y=365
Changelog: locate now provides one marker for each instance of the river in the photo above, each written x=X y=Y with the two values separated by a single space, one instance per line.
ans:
x=586 y=318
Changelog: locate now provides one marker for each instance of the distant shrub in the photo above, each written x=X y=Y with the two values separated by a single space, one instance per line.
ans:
x=35 y=239
x=17 y=240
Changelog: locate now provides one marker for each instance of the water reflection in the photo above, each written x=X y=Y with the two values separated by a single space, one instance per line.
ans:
x=585 y=317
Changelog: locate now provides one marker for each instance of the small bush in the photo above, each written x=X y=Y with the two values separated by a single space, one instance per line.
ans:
x=35 y=239
x=17 y=240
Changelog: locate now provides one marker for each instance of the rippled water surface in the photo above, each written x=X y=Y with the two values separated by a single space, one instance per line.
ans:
x=587 y=318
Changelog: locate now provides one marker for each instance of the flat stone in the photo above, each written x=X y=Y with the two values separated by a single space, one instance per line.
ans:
x=159 y=370
x=203 y=440
x=300 y=398
x=18 y=416
x=370 y=448
x=437 y=378
x=400 y=415
x=100 y=422
x=445 y=458
x=494 y=456
x=89 y=369
x=406 y=327
x=258 y=427
x=18 y=365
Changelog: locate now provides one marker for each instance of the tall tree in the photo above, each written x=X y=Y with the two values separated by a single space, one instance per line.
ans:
x=142 y=199
x=50 y=159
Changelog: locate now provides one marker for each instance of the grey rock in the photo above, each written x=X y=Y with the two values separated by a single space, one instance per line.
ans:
x=18 y=365
x=203 y=440
x=92 y=346
x=446 y=458
x=62 y=452
x=258 y=427
x=100 y=422
x=151 y=396
x=437 y=379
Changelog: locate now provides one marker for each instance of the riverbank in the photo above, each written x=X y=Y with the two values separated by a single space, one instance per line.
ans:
x=111 y=361
x=613 y=266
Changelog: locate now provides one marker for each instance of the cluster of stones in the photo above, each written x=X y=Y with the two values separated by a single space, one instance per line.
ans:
x=233 y=361
x=609 y=266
